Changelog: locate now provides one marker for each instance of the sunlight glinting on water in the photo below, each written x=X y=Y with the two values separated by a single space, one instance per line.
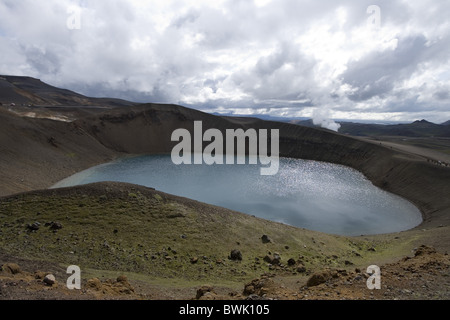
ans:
x=309 y=194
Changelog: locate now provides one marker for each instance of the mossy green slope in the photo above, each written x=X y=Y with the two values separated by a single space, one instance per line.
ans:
x=128 y=228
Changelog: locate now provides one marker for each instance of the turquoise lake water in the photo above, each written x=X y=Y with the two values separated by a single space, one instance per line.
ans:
x=308 y=194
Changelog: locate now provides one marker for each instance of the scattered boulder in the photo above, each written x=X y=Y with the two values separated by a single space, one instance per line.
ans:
x=276 y=259
x=291 y=262
x=122 y=286
x=111 y=287
x=424 y=250
x=40 y=275
x=50 y=279
x=55 y=226
x=320 y=277
x=301 y=268
x=204 y=291
x=356 y=253
x=34 y=226
x=235 y=255
x=358 y=278
x=339 y=272
x=265 y=239
x=316 y=279
x=194 y=259
x=11 y=268
x=52 y=141
x=249 y=289
x=259 y=287
x=94 y=284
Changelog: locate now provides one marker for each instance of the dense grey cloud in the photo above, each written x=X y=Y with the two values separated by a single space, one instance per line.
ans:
x=282 y=58
x=377 y=73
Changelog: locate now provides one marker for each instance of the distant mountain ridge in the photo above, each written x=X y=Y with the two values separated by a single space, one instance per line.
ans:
x=27 y=91
x=418 y=128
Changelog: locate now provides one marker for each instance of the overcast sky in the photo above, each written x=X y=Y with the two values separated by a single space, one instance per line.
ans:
x=336 y=59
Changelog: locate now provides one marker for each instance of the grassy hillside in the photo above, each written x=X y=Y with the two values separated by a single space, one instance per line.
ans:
x=127 y=228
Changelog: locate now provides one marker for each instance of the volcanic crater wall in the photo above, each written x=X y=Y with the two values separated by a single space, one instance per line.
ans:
x=47 y=151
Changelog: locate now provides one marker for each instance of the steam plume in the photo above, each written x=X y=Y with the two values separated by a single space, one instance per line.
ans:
x=321 y=117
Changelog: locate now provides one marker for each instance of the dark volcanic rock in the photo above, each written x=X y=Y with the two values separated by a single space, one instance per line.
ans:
x=235 y=255
x=55 y=226
x=301 y=268
x=34 y=226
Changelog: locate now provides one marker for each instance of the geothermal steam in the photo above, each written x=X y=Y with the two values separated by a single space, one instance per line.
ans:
x=321 y=118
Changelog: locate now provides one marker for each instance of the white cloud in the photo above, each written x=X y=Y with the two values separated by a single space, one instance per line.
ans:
x=284 y=57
